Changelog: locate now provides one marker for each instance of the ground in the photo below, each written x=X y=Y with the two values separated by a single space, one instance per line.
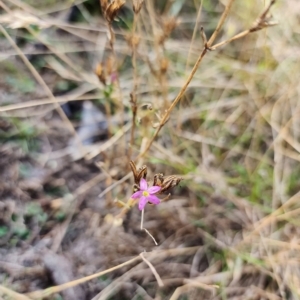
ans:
x=86 y=89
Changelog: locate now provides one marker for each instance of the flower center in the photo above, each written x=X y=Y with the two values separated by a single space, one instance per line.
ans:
x=145 y=193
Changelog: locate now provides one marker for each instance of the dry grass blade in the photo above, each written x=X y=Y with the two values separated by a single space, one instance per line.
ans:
x=110 y=142
x=270 y=218
x=183 y=289
x=41 y=81
x=33 y=103
x=57 y=289
x=13 y=294
x=108 y=189
x=230 y=132
x=156 y=275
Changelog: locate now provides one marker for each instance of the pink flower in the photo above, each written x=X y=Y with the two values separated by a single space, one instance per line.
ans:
x=146 y=194
x=113 y=77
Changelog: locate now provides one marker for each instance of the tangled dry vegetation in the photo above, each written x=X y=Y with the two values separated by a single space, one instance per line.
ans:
x=204 y=90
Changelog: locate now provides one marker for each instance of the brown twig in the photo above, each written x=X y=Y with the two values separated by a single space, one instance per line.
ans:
x=177 y=99
x=260 y=23
x=220 y=24
x=189 y=79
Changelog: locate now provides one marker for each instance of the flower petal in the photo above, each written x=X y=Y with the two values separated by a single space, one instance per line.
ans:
x=137 y=194
x=143 y=184
x=154 y=189
x=142 y=203
x=153 y=199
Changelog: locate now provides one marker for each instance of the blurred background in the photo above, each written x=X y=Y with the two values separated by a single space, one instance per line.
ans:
x=84 y=87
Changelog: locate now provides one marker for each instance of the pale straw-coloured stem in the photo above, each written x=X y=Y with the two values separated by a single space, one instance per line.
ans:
x=156 y=275
x=56 y=289
x=142 y=228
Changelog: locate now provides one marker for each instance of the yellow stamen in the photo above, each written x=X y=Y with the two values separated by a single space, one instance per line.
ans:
x=145 y=193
